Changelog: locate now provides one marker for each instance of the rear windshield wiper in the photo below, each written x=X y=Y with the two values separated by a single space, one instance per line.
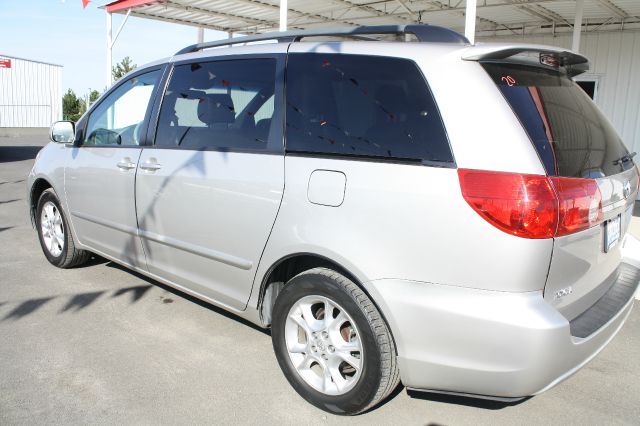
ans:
x=624 y=158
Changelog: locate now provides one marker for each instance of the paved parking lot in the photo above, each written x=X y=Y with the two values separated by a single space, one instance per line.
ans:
x=101 y=345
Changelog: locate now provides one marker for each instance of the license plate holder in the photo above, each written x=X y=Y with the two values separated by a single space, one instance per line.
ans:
x=611 y=233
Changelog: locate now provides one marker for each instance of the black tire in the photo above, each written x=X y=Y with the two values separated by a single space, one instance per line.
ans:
x=69 y=256
x=379 y=375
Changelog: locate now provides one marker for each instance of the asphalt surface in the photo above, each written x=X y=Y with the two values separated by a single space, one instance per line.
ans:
x=101 y=345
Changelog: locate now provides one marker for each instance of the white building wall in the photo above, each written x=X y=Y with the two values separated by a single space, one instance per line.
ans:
x=615 y=62
x=30 y=93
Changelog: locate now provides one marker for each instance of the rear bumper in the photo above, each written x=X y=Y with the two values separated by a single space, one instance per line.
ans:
x=499 y=344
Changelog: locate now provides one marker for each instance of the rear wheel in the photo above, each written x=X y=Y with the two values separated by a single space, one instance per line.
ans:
x=54 y=233
x=332 y=343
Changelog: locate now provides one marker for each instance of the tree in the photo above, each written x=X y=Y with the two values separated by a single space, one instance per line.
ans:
x=72 y=106
x=123 y=67
x=93 y=96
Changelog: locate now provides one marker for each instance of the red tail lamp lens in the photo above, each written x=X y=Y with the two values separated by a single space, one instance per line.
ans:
x=580 y=204
x=532 y=206
x=521 y=205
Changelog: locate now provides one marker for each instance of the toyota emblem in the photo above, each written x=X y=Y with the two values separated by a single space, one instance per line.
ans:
x=626 y=189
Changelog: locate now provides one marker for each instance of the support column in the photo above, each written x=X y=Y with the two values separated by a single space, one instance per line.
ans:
x=200 y=35
x=283 y=15
x=109 y=51
x=111 y=41
x=577 y=26
x=470 y=21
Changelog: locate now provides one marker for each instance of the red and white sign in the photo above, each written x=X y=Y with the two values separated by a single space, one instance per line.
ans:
x=5 y=63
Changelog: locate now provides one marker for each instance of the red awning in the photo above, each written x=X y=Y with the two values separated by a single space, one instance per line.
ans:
x=126 y=4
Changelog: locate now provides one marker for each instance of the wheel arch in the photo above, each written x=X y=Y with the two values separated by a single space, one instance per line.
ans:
x=293 y=264
x=37 y=188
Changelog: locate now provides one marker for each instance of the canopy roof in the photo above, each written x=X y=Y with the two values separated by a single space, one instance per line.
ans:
x=494 y=17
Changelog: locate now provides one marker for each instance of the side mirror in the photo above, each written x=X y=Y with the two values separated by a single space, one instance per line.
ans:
x=63 y=132
x=104 y=137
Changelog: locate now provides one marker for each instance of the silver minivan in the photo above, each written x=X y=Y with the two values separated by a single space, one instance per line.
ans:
x=395 y=204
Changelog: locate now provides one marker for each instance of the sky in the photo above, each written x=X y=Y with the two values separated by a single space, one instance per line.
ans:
x=62 y=32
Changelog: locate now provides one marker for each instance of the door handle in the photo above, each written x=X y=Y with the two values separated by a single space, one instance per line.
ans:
x=150 y=166
x=126 y=164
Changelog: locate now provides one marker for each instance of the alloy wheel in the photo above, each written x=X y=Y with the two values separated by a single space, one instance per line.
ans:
x=324 y=345
x=52 y=228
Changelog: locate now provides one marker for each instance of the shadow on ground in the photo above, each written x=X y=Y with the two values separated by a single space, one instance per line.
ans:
x=190 y=298
x=80 y=301
x=75 y=302
x=18 y=153
x=93 y=261
x=485 y=404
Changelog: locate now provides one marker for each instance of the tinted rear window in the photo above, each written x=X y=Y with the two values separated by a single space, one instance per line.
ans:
x=362 y=106
x=571 y=135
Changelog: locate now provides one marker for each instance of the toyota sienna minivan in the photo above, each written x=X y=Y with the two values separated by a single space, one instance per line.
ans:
x=395 y=204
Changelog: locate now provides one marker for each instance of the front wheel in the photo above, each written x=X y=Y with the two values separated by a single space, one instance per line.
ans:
x=55 y=235
x=332 y=343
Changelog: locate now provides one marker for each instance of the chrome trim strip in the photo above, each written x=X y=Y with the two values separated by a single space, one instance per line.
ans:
x=197 y=250
x=99 y=221
x=171 y=242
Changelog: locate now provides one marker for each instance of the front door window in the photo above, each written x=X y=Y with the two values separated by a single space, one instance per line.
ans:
x=118 y=119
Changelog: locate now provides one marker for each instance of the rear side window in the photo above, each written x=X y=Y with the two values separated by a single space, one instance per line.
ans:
x=219 y=105
x=367 y=106
x=571 y=135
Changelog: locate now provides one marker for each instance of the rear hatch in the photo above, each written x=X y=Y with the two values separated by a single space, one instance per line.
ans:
x=573 y=140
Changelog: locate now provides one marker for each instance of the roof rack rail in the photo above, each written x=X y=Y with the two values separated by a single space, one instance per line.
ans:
x=424 y=33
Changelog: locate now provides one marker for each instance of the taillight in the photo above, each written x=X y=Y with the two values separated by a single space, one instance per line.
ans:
x=580 y=204
x=521 y=205
x=532 y=206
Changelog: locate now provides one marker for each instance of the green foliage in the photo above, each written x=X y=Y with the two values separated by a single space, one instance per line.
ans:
x=123 y=67
x=93 y=96
x=72 y=106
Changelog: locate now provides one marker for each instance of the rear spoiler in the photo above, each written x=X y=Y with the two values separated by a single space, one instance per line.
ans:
x=572 y=62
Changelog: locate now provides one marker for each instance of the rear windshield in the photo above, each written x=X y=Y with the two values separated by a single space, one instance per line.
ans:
x=571 y=135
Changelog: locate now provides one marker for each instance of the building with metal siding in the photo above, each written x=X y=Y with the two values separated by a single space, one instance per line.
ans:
x=614 y=59
x=30 y=94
